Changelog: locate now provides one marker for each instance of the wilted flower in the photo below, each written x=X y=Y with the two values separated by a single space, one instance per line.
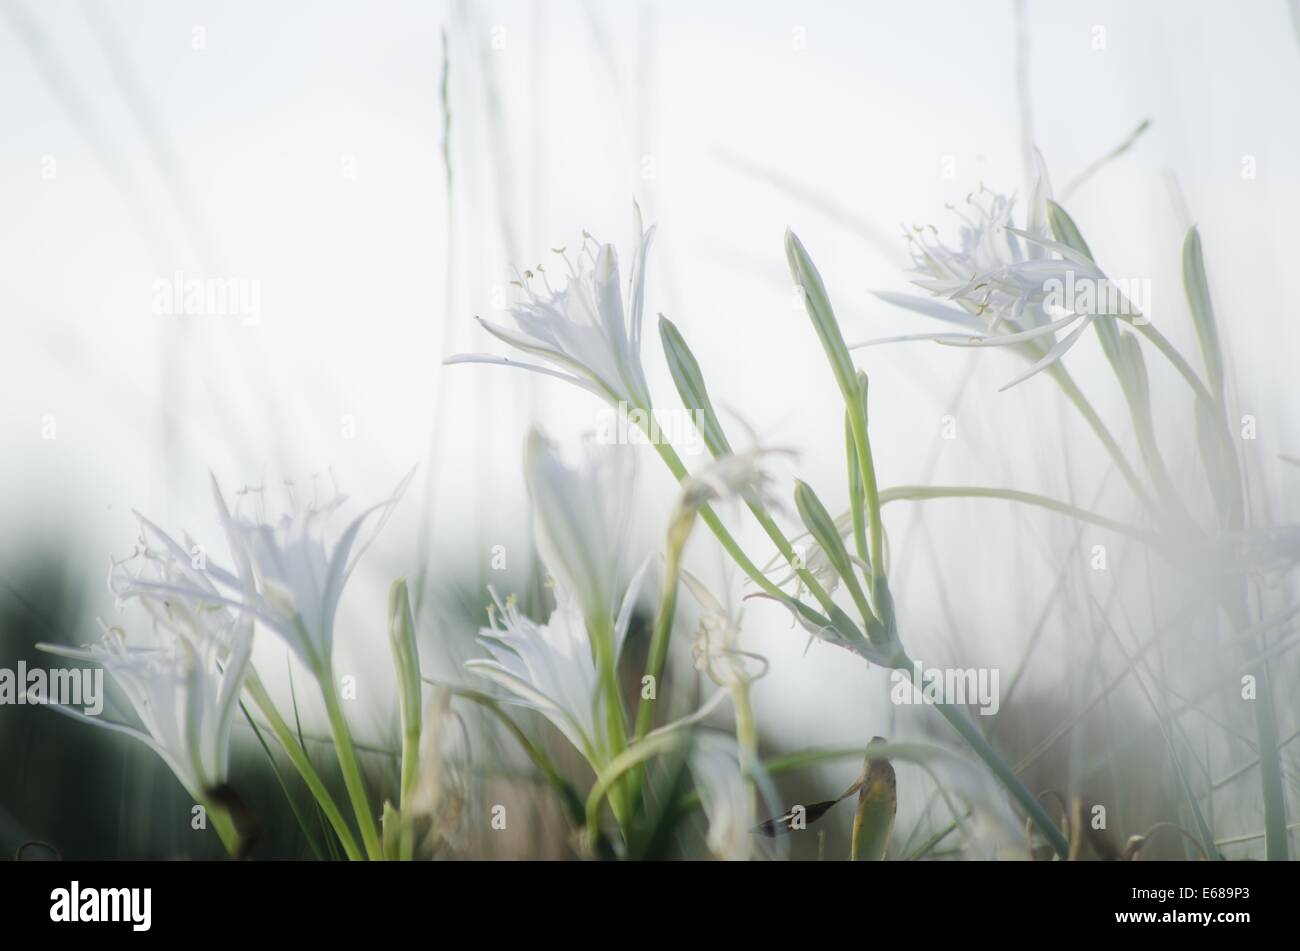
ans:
x=714 y=650
x=731 y=476
x=184 y=696
x=582 y=330
x=441 y=788
x=737 y=475
x=551 y=667
x=816 y=562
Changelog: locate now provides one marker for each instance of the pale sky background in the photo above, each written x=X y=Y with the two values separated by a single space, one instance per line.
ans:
x=302 y=148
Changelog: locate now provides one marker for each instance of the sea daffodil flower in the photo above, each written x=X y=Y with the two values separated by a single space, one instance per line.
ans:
x=1007 y=284
x=184 y=697
x=550 y=667
x=288 y=575
x=582 y=331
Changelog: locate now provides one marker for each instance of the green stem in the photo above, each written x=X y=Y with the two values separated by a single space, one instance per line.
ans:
x=857 y=493
x=351 y=768
x=954 y=716
x=224 y=827
x=568 y=796
x=787 y=551
x=746 y=727
x=658 y=655
x=918 y=493
x=609 y=778
x=1007 y=776
x=678 y=469
x=615 y=723
x=1176 y=359
x=746 y=737
x=410 y=774
x=858 y=424
x=298 y=756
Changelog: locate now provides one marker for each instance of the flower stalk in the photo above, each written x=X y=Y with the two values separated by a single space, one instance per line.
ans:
x=298 y=757
x=350 y=767
x=406 y=662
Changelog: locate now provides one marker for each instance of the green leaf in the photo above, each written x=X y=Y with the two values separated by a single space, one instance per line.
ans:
x=837 y=629
x=406 y=661
x=857 y=493
x=822 y=527
x=1220 y=460
x=858 y=501
x=1065 y=230
x=1198 y=297
x=569 y=796
x=690 y=387
x=818 y=304
x=826 y=534
x=883 y=629
x=1132 y=370
x=391 y=823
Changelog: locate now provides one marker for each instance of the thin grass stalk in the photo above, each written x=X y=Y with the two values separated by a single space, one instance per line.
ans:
x=1232 y=512
x=919 y=493
x=1100 y=430
x=1277 y=846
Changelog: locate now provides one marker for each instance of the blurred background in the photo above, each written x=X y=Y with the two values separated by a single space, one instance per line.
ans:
x=377 y=172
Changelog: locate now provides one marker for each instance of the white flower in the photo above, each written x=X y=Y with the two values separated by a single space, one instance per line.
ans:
x=203 y=616
x=550 y=667
x=581 y=516
x=185 y=694
x=299 y=576
x=1002 y=279
x=288 y=576
x=581 y=330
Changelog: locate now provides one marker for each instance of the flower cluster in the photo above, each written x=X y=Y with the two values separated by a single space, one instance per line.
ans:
x=181 y=654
